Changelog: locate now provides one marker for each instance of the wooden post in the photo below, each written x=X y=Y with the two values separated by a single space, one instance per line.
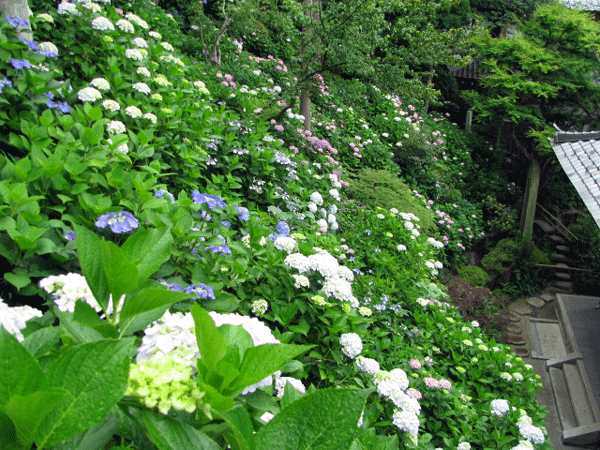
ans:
x=469 y=120
x=530 y=201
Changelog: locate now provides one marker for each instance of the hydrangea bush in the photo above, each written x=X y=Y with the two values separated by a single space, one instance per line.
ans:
x=158 y=204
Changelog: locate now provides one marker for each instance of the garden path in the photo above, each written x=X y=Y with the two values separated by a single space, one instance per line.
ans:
x=539 y=319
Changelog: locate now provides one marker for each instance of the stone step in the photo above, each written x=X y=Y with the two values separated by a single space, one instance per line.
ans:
x=548 y=297
x=545 y=226
x=563 y=249
x=559 y=258
x=555 y=290
x=521 y=309
x=536 y=302
x=556 y=238
x=578 y=394
x=562 y=276
x=562 y=284
x=561 y=397
x=514 y=329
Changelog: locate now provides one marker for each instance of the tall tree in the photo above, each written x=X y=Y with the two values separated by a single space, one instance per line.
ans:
x=546 y=73
x=20 y=9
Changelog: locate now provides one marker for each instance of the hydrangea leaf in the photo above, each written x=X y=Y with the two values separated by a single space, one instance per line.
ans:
x=324 y=420
x=95 y=375
x=20 y=373
x=211 y=342
x=264 y=360
x=121 y=274
x=170 y=434
x=149 y=299
x=148 y=249
x=41 y=341
x=88 y=251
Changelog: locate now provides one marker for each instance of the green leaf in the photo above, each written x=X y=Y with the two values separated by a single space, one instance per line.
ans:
x=89 y=253
x=262 y=361
x=95 y=375
x=41 y=341
x=8 y=433
x=140 y=321
x=79 y=332
x=149 y=299
x=121 y=274
x=211 y=342
x=20 y=373
x=170 y=434
x=19 y=280
x=324 y=420
x=28 y=411
x=241 y=436
x=148 y=249
x=94 y=438
x=95 y=114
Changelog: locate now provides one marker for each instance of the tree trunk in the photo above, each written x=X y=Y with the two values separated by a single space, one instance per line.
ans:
x=19 y=8
x=531 y=194
x=305 y=103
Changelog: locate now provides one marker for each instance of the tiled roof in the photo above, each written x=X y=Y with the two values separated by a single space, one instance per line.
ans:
x=579 y=155
x=470 y=71
x=585 y=5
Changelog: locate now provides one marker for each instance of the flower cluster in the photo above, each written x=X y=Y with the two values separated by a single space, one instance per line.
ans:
x=66 y=290
x=13 y=319
x=118 y=222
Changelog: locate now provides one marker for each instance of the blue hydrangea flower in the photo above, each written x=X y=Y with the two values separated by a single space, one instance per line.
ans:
x=33 y=45
x=227 y=223
x=222 y=249
x=161 y=194
x=69 y=235
x=203 y=291
x=211 y=201
x=5 y=82
x=48 y=54
x=172 y=286
x=63 y=107
x=243 y=213
x=20 y=64
x=282 y=230
x=119 y=223
x=16 y=22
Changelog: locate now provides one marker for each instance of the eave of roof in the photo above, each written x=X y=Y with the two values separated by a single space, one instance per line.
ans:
x=579 y=155
x=585 y=5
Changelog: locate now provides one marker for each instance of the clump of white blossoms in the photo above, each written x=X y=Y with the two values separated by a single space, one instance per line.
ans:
x=68 y=9
x=168 y=47
x=133 y=111
x=134 y=53
x=141 y=87
x=140 y=42
x=351 y=344
x=111 y=105
x=285 y=243
x=13 y=319
x=125 y=26
x=151 y=117
x=139 y=22
x=201 y=87
x=89 y=94
x=143 y=71
x=67 y=289
x=367 y=365
x=101 y=84
x=499 y=407
x=259 y=307
x=102 y=24
x=116 y=127
x=529 y=431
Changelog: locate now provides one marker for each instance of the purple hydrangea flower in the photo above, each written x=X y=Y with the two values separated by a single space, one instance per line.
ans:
x=63 y=107
x=69 y=235
x=222 y=249
x=172 y=286
x=161 y=194
x=211 y=201
x=119 y=223
x=243 y=213
x=5 y=82
x=16 y=22
x=202 y=290
x=48 y=54
x=20 y=64
x=227 y=223
x=282 y=230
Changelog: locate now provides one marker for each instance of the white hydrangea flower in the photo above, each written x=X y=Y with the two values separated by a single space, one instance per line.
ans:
x=499 y=407
x=139 y=22
x=324 y=263
x=116 y=127
x=89 y=94
x=100 y=23
x=523 y=445
x=67 y=289
x=300 y=281
x=155 y=34
x=143 y=71
x=345 y=273
x=141 y=87
x=168 y=47
x=285 y=243
x=111 y=105
x=45 y=18
x=125 y=26
x=401 y=248
x=161 y=80
x=316 y=198
x=201 y=87
x=298 y=261
x=48 y=47
x=335 y=194
x=133 y=111
x=367 y=365
x=406 y=421
x=68 y=9
x=531 y=433
x=295 y=383
x=93 y=7
x=134 y=53
x=101 y=84
x=463 y=446
x=13 y=319
x=338 y=288
x=151 y=117
x=351 y=344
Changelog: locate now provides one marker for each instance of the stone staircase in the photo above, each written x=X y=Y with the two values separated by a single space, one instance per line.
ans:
x=561 y=258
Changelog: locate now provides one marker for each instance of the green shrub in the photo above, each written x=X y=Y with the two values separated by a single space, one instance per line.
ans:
x=380 y=188
x=474 y=275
